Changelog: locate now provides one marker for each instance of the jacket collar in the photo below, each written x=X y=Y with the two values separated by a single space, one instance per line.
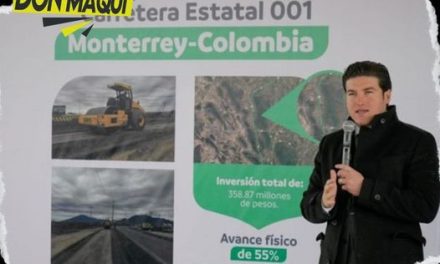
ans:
x=371 y=136
x=384 y=119
x=380 y=120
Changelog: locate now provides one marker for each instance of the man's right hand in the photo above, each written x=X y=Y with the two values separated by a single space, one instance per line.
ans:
x=330 y=189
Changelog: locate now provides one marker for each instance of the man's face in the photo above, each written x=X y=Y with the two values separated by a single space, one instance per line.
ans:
x=365 y=99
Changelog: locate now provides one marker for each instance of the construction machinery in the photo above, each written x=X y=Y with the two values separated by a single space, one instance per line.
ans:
x=120 y=111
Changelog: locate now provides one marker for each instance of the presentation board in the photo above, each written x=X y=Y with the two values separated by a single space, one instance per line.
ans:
x=186 y=132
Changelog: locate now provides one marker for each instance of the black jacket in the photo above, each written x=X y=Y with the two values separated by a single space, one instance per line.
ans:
x=401 y=189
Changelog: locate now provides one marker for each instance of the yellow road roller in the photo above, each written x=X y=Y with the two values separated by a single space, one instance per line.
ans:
x=120 y=111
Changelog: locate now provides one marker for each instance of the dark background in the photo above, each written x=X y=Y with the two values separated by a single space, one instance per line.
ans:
x=5 y=2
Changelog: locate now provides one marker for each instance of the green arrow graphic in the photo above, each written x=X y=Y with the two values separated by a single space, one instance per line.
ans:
x=285 y=112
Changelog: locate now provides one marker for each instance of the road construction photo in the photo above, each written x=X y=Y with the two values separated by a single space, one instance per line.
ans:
x=115 y=118
x=123 y=216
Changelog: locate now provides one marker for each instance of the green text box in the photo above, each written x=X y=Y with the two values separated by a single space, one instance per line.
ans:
x=195 y=43
x=256 y=194
x=268 y=255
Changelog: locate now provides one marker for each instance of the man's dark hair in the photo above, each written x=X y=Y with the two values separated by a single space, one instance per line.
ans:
x=368 y=68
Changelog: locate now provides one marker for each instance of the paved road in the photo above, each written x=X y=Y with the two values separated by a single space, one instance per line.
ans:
x=97 y=249
x=118 y=246
x=148 y=144
x=160 y=249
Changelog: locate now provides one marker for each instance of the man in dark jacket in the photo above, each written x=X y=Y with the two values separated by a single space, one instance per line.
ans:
x=374 y=206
